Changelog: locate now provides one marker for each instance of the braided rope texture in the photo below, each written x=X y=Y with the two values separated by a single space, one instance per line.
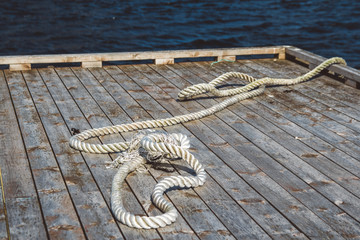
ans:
x=173 y=145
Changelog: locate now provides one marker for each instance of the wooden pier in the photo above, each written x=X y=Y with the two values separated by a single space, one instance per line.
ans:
x=283 y=165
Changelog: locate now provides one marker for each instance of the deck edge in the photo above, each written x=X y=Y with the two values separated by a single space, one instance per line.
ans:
x=352 y=75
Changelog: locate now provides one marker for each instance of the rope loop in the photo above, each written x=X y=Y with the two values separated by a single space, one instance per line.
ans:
x=155 y=143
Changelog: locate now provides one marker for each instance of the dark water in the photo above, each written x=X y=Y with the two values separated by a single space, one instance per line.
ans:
x=328 y=28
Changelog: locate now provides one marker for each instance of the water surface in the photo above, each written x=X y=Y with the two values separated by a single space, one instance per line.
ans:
x=328 y=28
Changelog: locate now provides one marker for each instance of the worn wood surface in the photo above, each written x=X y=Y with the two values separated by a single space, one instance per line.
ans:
x=283 y=165
x=266 y=145
x=59 y=213
x=24 y=212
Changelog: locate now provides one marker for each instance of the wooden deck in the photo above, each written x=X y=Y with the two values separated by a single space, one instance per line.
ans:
x=282 y=165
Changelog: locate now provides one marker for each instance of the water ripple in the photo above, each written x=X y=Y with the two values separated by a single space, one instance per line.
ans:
x=328 y=28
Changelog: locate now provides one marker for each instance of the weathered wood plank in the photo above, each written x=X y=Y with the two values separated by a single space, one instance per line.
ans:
x=244 y=130
x=23 y=207
x=199 y=132
x=98 y=222
x=199 y=224
x=69 y=106
x=142 y=184
x=60 y=216
x=124 y=56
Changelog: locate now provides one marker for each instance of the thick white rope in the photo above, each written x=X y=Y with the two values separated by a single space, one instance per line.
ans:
x=169 y=146
x=174 y=145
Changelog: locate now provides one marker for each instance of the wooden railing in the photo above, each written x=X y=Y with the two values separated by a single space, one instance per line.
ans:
x=160 y=57
x=88 y=60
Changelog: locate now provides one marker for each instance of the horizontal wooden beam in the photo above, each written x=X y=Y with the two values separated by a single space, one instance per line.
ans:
x=125 y=56
x=230 y=58
x=314 y=60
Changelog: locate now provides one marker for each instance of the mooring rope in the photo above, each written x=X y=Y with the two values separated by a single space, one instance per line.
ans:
x=150 y=146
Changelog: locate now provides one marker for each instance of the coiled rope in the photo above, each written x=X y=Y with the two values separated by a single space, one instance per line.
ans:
x=147 y=146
